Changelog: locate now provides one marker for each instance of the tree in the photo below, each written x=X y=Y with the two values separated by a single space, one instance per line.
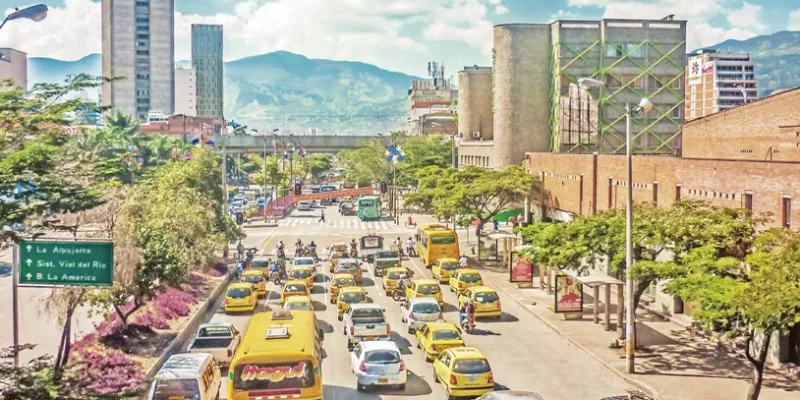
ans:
x=36 y=176
x=63 y=302
x=318 y=164
x=762 y=294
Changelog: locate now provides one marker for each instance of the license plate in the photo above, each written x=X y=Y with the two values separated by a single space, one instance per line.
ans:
x=370 y=337
x=383 y=380
x=472 y=378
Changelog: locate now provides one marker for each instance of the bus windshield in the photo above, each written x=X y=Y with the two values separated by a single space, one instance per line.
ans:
x=443 y=239
x=366 y=203
x=269 y=376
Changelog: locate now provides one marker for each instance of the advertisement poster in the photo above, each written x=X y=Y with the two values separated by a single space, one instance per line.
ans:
x=522 y=271
x=569 y=294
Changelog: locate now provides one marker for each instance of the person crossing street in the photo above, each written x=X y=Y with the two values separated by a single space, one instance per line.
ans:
x=322 y=216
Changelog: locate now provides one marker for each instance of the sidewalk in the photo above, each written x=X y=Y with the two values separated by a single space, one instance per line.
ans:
x=673 y=363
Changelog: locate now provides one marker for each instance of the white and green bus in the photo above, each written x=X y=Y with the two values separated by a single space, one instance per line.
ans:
x=369 y=207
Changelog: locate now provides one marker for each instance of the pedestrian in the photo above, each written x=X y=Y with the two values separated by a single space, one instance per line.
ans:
x=322 y=216
x=462 y=262
x=240 y=251
x=495 y=224
x=519 y=219
x=399 y=246
x=410 y=247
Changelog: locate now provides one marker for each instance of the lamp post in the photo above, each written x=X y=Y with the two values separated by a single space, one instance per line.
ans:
x=453 y=142
x=744 y=93
x=630 y=339
x=34 y=13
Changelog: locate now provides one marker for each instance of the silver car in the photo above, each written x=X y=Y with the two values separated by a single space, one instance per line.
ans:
x=378 y=363
x=511 y=395
x=419 y=311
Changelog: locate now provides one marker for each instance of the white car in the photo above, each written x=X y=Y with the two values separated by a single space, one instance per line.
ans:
x=378 y=363
x=304 y=262
x=304 y=205
x=419 y=311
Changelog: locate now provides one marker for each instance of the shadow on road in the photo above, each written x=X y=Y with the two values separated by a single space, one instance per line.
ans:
x=318 y=290
x=340 y=392
x=319 y=305
x=367 y=282
x=402 y=343
x=320 y=278
x=325 y=326
x=449 y=308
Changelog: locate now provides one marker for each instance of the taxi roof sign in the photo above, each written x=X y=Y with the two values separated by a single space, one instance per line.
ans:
x=277 y=333
x=281 y=314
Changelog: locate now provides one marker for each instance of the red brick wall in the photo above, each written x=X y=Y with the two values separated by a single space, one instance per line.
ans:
x=768 y=129
x=720 y=182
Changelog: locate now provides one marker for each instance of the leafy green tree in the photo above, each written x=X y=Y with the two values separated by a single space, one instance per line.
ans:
x=318 y=164
x=36 y=175
x=761 y=294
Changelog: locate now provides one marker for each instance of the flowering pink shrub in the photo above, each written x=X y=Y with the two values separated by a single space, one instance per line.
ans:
x=107 y=370
x=173 y=303
x=218 y=269
x=151 y=319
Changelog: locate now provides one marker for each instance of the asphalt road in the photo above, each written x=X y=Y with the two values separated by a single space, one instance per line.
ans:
x=524 y=354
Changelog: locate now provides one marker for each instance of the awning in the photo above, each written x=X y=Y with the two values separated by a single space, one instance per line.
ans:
x=592 y=280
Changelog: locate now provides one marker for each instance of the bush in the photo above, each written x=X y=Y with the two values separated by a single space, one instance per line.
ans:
x=219 y=269
x=107 y=371
x=173 y=303
x=152 y=319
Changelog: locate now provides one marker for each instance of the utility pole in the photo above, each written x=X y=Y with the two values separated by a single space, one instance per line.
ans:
x=224 y=170
x=264 y=192
x=394 y=180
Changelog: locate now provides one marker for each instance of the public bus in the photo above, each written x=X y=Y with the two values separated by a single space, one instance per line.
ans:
x=280 y=357
x=329 y=188
x=369 y=207
x=437 y=242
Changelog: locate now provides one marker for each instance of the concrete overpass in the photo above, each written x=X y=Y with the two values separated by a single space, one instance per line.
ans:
x=312 y=144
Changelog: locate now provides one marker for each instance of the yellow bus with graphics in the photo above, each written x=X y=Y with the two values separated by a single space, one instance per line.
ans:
x=280 y=358
x=437 y=242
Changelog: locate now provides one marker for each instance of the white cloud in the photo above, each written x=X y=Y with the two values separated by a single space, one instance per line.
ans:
x=501 y=10
x=495 y=2
x=581 y=3
x=465 y=20
x=749 y=16
x=690 y=10
x=794 y=20
x=67 y=33
x=562 y=14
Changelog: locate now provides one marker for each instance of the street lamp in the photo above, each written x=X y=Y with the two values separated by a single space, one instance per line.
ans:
x=744 y=93
x=453 y=142
x=34 y=13
x=644 y=106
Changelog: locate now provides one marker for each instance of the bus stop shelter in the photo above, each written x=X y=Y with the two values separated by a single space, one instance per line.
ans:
x=496 y=246
x=595 y=281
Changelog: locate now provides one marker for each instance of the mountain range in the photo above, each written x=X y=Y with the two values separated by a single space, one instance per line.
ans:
x=287 y=91
x=291 y=92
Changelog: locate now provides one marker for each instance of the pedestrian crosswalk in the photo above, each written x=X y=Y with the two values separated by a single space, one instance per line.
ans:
x=337 y=224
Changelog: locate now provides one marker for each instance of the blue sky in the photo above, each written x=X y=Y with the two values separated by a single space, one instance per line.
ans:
x=400 y=35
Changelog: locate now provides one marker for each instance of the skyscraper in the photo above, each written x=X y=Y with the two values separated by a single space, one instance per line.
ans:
x=207 y=60
x=717 y=81
x=139 y=46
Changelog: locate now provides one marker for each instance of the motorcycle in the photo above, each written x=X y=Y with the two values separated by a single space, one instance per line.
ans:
x=276 y=278
x=399 y=293
x=467 y=323
x=314 y=254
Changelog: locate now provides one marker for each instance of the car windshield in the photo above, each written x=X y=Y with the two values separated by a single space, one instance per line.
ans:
x=351 y=297
x=299 y=305
x=426 y=308
x=471 y=278
x=171 y=389
x=367 y=313
x=472 y=366
x=446 y=335
x=489 y=297
x=382 y=357
x=295 y=288
x=344 y=282
x=386 y=254
x=253 y=278
x=259 y=264
x=396 y=275
x=303 y=261
x=300 y=273
x=348 y=265
x=428 y=289
x=238 y=293
x=450 y=266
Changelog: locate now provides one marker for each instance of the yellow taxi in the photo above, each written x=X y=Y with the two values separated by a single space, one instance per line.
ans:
x=256 y=278
x=298 y=303
x=305 y=274
x=425 y=288
x=464 y=372
x=338 y=282
x=339 y=252
x=347 y=296
x=240 y=297
x=443 y=267
x=486 y=300
x=436 y=337
x=461 y=279
x=294 y=288
x=393 y=275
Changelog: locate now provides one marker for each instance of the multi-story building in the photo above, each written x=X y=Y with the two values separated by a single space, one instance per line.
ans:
x=432 y=104
x=186 y=91
x=207 y=60
x=139 y=46
x=717 y=81
x=536 y=69
x=14 y=66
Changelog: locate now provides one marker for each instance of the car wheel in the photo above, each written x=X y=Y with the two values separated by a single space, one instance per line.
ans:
x=418 y=345
x=344 y=331
x=339 y=318
x=449 y=396
x=435 y=377
x=359 y=387
x=428 y=358
x=401 y=387
x=410 y=330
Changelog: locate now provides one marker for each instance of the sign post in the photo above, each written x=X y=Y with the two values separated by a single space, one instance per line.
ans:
x=45 y=263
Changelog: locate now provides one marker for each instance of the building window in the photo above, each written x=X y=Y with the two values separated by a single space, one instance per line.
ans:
x=142 y=3
x=142 y=52
x=786 y=212
x=612 y=82
x=143 y=20
x=748 y=202
x=677 y=192
x=676 y=112
x=143 y=36
x=676 y=84
x=634 y=50
x=613 y=51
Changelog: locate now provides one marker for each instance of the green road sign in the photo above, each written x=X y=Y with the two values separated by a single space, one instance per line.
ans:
x=66 y=263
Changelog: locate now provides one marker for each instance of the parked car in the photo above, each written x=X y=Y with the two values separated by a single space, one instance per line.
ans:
x=378 y=363
x=220 y=339
x=365 y=322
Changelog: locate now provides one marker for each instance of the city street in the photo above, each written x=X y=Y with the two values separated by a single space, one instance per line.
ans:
x=523 y=353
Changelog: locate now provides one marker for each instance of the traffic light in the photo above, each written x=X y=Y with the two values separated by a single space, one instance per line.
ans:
x=239 y=218
x=298 y=188
x=384 y=187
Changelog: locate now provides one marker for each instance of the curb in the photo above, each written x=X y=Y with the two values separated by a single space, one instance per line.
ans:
x=635 y=382
x=190 y=328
